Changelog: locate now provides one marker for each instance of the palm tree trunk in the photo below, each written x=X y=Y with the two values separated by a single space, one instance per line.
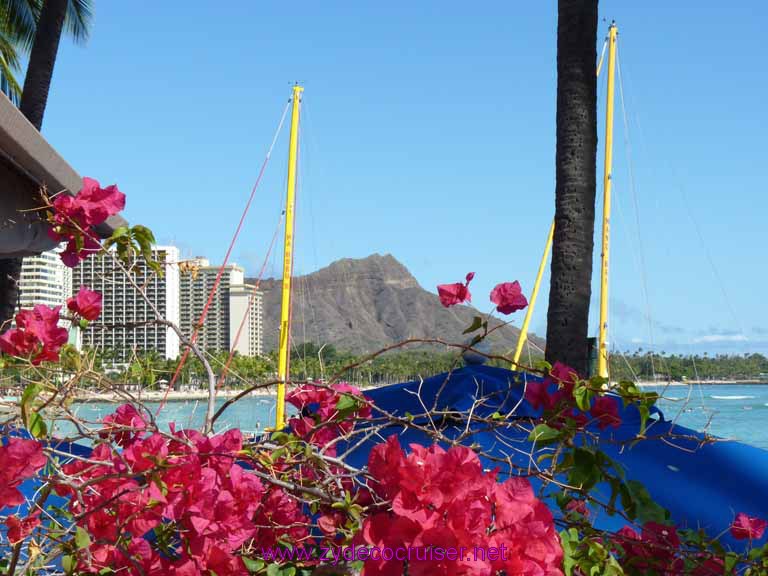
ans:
x=34 y=98
x=576 y=155
x=42 y=60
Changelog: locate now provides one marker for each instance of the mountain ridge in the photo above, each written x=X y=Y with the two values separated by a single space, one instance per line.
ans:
x=365 y=304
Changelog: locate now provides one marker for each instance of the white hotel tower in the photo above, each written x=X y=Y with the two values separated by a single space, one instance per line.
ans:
x=124 y=305
x=45 y=280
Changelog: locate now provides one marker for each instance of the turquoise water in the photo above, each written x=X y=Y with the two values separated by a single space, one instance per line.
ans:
x=736 y=412
x=251 y=414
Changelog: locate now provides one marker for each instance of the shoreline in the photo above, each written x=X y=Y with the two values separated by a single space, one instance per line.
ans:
x=734 y=382
x=188 y=395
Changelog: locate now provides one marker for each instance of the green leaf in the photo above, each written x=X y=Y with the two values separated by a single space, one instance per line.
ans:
x=583 y=396
x=347 y=403
x=36 y=425
x=731 y=559
x=543 y=433
x=477 y=322
x=253 y=566
x=32 y=420
x=28 y=396
x=585 y=472
x=641 y=505
x=542 y=366
x=82 y=539
x=68 y=564
x=273 y=570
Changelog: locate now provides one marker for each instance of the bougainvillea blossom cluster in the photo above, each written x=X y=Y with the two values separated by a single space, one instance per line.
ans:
x=604 y=411
x=444 y=498
x=86 y=304
x=37 y=335
x=74 y=216
x=457 y=293
x=175 y=503
x=318 y=420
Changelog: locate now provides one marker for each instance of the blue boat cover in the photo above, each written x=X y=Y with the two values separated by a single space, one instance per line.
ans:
x=702 y=484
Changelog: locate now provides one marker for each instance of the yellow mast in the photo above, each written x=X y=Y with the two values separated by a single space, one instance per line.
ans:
x=529 y=312
x=602 y=353
x=532 y=303
x=283 y=366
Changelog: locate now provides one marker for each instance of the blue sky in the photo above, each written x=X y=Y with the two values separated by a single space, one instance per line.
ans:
x=428 y=133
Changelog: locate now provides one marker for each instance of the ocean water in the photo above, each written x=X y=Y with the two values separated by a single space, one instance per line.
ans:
x=735 y=412
x=731 y=411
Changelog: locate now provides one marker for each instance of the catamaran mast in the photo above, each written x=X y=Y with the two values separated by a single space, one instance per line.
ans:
x=284 y=358
x=602 y=352
x=602 y=360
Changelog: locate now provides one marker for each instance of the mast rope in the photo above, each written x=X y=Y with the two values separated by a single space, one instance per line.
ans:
x=640 y=256
x=251 y=300
x=220 y=273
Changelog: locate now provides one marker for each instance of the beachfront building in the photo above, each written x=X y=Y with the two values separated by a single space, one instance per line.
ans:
x=126 y=322
x=45 y=280
x=245 y=302
x=227 y=310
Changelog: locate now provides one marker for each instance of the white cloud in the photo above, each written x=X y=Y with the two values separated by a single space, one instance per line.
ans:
x=712 y=338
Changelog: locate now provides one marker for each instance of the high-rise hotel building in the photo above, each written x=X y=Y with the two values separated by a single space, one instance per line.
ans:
x=126 y=322
x=227 y=310
x=45 y=280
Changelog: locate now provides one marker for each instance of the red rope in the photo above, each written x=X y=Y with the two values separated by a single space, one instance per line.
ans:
x=212 y=294
x=251 y=298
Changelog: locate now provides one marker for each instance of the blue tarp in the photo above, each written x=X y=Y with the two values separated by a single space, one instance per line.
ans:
x=702 y=485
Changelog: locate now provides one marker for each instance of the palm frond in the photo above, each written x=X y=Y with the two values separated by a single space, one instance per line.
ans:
x=8 y=83
x=8 y=51
x=18 y=21
x=79 y=18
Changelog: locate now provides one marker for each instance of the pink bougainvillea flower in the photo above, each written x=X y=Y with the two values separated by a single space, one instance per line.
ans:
x=538 y=395
x=86 y=303
x=37 y=334
x=748 y=527
x=563 y=374
x=320 y=421
x=74 y=254
x=578 y=506
x=606 y=411
x=20 y=459
x=74 y=216
x=124 y=426
x=452 y=294
x=90 y=206
x=508 y=297
x=445 y=498
x=20 y=529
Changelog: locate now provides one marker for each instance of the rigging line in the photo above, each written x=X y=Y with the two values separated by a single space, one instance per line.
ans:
x=310 y=142
x=302 y=279
x=212 y=293
x=711 y=261
x=251 y=300
x=305 y=285
x=695 y=224
x=636 y=210
x=602 y=56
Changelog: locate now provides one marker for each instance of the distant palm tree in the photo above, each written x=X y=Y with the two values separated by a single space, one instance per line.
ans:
x=37 y=24
x=575 y=157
